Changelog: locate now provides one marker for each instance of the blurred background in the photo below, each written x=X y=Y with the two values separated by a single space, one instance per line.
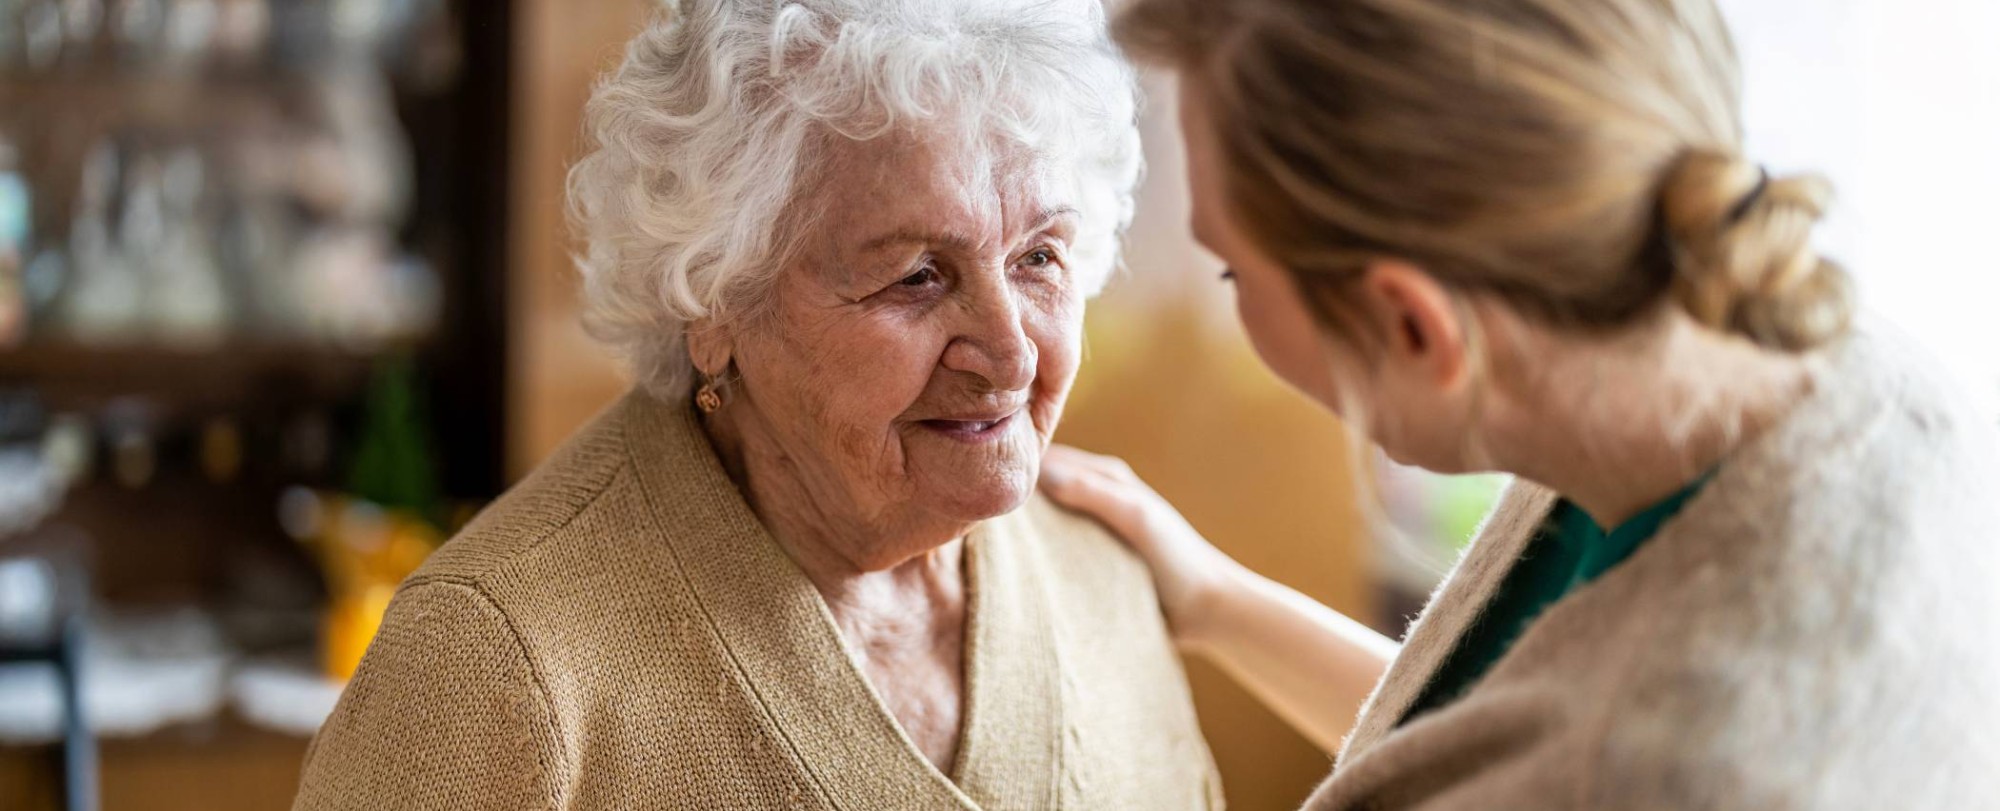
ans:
x=285 y=297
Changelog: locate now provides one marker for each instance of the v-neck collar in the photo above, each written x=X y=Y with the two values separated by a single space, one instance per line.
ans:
x=787 y=650
x=1597 y=549
x=1452 y=609
x=1010 y=752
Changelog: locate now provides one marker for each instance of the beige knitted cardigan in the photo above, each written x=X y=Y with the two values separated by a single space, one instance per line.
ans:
x=1819 y=628
x=619 y=632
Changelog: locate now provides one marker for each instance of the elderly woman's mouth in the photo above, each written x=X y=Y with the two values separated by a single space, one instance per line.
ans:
x=981 y=428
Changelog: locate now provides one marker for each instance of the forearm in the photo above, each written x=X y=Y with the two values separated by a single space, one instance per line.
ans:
x=1310 y=664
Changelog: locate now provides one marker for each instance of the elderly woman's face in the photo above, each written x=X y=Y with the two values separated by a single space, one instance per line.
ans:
x=921 y=342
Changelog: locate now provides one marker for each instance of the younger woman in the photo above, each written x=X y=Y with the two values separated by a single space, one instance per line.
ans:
x=1751 y=558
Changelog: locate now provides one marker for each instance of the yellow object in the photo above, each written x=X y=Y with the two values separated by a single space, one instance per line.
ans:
x=365 y=552
x=350 y=624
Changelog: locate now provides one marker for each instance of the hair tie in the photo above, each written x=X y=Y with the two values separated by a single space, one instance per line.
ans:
x=1749 y=201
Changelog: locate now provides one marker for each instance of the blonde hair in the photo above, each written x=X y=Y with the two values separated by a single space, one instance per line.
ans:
x=1581 y=161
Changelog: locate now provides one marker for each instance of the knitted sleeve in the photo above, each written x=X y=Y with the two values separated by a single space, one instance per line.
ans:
x=446 y=712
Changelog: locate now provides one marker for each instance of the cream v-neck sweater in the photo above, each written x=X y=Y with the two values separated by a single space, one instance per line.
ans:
x=619 y=632
x=1816 y=629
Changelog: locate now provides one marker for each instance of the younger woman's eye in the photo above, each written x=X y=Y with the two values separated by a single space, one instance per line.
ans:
x=1229 y=274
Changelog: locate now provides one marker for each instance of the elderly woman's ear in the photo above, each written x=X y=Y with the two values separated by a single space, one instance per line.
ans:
x=710 y=348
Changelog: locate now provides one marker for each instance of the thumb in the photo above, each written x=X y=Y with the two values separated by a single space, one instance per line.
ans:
x=1097 y=496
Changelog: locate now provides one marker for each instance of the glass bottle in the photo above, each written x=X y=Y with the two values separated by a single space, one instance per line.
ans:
x=191 y=307
x=16 y=212
x=103 y=306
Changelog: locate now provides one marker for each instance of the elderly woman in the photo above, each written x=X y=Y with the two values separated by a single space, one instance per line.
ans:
x=846 y=246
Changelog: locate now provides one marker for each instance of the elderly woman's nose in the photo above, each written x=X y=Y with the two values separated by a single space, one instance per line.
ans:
x=994 y=344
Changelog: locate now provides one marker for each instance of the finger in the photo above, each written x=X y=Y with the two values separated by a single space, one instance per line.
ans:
x=1062 y=476
x=1090 y=493
x=1065 y=473
x=1110 y=466
x=1055 y=478
x=1070 y=455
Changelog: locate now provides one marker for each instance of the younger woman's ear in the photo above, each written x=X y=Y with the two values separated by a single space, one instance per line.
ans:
x=1417 y=319
x=710 y=347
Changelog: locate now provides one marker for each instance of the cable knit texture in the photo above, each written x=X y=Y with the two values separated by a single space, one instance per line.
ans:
x=1815 y=630
x=620 y=632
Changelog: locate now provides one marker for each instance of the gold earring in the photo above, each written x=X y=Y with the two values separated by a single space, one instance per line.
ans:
x=708 y=399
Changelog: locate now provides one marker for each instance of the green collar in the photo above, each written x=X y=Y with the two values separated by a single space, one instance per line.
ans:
x=1597 y=550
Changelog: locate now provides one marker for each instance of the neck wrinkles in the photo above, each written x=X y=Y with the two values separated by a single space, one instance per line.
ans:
x=837 y=554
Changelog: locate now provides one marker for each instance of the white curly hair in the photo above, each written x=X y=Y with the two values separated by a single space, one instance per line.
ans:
x=706 y=134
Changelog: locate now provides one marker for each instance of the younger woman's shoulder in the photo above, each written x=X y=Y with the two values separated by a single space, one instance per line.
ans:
x=1886 y=370
x=1895 y=425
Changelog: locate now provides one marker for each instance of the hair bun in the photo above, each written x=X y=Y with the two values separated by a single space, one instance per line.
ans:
x=1743 y=256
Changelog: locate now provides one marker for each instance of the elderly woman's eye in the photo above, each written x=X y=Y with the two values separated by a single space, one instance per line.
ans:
x=922 y=277
x=1039 y=257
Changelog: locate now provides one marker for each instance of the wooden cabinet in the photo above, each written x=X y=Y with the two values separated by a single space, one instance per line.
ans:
x=217 y=767
x=557 y=378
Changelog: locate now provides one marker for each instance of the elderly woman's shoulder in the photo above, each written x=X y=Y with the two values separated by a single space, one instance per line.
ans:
x=1076 y=544
x=575 y=497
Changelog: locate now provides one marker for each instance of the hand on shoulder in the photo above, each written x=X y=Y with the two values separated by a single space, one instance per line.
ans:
x=1187 y=570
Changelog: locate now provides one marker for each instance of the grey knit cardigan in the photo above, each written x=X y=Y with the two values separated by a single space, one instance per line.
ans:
x=1819 y=628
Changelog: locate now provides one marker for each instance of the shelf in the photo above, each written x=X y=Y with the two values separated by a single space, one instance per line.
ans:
x=64 y=370
x=172 y=100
